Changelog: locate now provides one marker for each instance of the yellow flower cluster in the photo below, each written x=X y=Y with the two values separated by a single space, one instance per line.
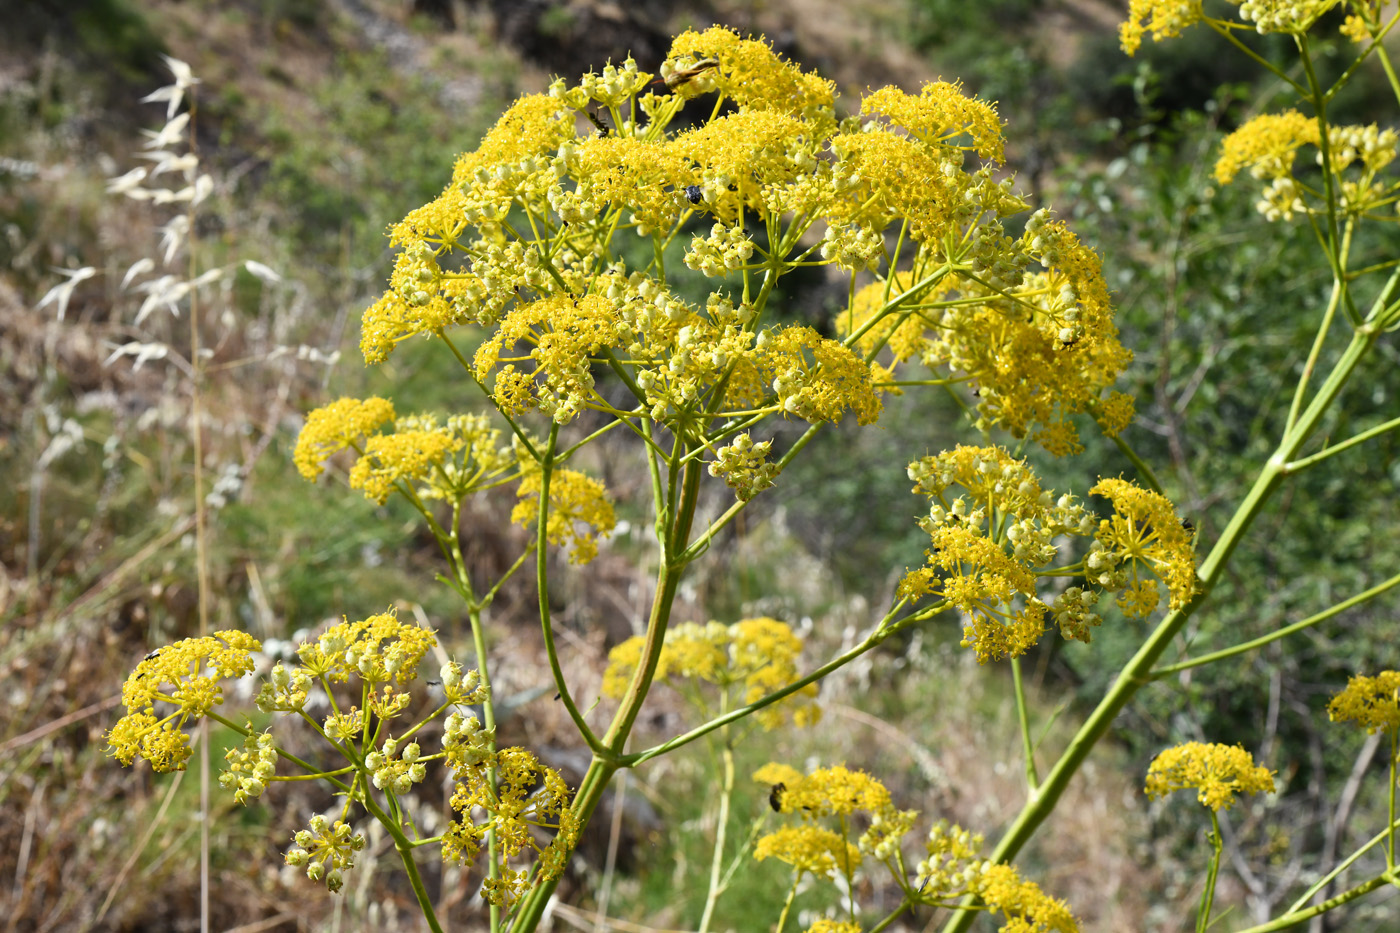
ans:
x=1167 y=18
x=810 y=850
x=995 y=532
x=1027 y=320
x=579 y=510
x=251 y=768
x=1142 y=542
x=377 y=650
x=952 y=870
x=1217 y=772
x=327 y=850
x=833 y=791
x=825 y=925
x=744 y=467
x=826 y=792
x=941 y=114
x=436 y=460
x=1266 y=146
x=1373 y=703
x=184 y=676
x=389 y=459
x=1028 y=909
x=747 y=72
x=334 y=427
x=754 y=657
x=526 y=794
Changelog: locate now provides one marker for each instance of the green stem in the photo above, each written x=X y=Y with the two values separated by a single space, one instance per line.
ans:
x=703 y=540
x=1284 y=632
x=1302 y=464
x=405 y=849
x=1390 y=830
x=1301 y=391
x=542 y=586
x=1212 y=873
x=1293 y=918
x=1335 y=257
x=787 y=904
x=1270 y=66
x=1023 y=718
x=1341 y=866
x=488 y=715
x=607 y=752
x=1144 y=471
x=891 y=917
x=717 y=861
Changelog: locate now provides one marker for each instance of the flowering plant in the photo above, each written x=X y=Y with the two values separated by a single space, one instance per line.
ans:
x=952 y=281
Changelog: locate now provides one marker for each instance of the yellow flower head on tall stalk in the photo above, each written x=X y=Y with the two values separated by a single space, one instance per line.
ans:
x=525 y=796
x=941 y=114
x=334 y=427
x=580 y=510
x=634 y=174
x=1267 y=146
x=1373 y=703
x=989 y=543
x=443 y=461
x=533 y=126
x=835 y=791
x=1045 y=346
x=1288 y=16
x=378 y=650
x=184 y=676
x=809 y=850
x=1143 y=539
x=1027 y=908
x=1164 y=18
x=747 y=71
x=1216 y=772
x=403 y=456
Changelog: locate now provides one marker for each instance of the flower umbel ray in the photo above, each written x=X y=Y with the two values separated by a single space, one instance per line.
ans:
x=185 y=677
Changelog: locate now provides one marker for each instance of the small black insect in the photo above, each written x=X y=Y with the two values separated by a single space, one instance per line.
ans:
x=775 y=797
x=1189 y=525
x=153 y=654
x=556 y=696
x=693 y=194
x=603 y=128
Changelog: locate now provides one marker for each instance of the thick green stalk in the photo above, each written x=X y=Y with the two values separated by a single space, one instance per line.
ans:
x=405 y=850
x=1212 y=873
x=607 y=754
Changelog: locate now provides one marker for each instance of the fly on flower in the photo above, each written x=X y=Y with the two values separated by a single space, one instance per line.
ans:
x=676 y=78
